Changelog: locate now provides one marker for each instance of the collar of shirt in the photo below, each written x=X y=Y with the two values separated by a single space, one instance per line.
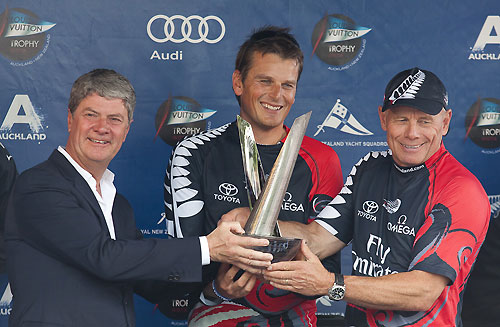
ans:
x=108 y=190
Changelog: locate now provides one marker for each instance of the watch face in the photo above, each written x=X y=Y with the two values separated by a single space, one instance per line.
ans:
x=336 y=293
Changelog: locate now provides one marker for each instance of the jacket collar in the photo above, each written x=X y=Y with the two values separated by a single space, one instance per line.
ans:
x=72 y=176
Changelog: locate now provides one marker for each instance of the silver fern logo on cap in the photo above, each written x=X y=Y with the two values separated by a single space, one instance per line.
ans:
x=408 y=88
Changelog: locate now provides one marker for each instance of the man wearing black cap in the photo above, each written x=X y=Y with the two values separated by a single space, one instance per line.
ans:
x=415 y=216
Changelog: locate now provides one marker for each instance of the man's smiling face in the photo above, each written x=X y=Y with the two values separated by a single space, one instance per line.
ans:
x=268 y=91
x=413 y=135
x=97 y=129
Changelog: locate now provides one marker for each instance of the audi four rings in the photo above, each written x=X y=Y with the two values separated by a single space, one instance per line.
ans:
x=186 y=29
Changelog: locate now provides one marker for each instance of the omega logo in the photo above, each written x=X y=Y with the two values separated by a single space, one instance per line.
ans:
x=287 y=197
x=288 y=205
x=370 y=206
x=401 y=227
x=402 y=219
x=228 y=189
x=186 y=29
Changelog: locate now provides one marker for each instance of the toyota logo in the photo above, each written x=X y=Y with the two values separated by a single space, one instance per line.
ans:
x=228 y=189
x=370 y=206
x=186 y=29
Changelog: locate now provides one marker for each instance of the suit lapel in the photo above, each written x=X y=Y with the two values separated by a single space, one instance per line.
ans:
x=70 y=173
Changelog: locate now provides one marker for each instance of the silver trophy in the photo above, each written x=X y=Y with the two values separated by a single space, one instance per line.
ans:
x=265 y=205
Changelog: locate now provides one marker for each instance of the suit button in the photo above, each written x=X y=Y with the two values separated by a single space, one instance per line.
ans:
x=173 y=277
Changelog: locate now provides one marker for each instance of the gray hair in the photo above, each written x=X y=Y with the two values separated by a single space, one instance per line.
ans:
x=106 y=83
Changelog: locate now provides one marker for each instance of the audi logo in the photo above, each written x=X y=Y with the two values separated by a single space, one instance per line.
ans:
x=228 y=189
x=370 y=206
x=186 y=29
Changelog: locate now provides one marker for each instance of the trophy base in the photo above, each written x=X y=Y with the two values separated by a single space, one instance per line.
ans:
x=282 y=248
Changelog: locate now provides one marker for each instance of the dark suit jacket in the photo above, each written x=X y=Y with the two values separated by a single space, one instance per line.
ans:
x=8 y=174
x=64 y=268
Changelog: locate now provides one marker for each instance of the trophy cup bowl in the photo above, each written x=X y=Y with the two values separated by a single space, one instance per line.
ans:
x=282 y=248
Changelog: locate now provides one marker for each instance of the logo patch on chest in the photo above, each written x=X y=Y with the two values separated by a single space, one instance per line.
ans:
x=227 y=193
x=289 y=205
x=392 y=205
x=370 y=208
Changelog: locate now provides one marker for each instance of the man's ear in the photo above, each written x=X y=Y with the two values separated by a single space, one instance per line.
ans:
x=70 y=120
x=447 y=121
x=237 y=83
x=383 y=118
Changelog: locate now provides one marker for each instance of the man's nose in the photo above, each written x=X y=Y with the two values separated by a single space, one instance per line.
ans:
x=412 y=130
x=275 y=90
x=102 y=125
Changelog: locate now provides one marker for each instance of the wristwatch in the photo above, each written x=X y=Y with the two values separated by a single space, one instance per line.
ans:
x=337 y=291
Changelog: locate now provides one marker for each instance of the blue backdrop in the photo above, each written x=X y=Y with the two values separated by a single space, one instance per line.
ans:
x=184 y=51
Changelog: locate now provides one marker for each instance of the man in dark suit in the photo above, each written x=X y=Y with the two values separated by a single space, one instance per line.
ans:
x=8 y=174
x=74 y=254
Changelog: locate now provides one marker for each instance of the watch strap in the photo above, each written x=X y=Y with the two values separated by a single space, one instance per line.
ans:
x=339 y=279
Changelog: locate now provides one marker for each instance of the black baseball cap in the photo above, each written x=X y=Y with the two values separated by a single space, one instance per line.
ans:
x=416 y=88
